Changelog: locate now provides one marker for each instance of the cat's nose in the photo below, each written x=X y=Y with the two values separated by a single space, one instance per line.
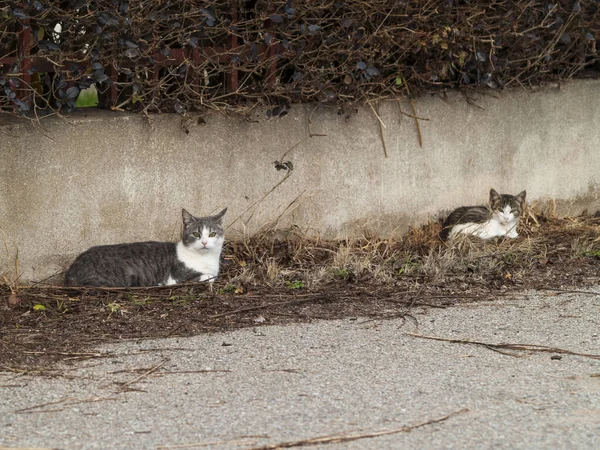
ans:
x=204 y=242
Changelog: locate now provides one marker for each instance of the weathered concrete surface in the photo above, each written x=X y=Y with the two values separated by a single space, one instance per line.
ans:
x=271 y=384
x=102 y=177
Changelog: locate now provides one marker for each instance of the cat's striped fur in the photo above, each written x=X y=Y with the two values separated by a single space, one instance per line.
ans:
x=194 y=258
x=500 y=218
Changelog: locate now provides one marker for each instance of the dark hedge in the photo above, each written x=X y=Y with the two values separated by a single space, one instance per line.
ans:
x=165 y=56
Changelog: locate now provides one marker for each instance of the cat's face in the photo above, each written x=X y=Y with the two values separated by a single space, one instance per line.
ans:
x=203 y=234
x=507 y=209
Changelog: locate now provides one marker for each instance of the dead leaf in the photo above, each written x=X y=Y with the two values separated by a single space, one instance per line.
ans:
x=14 y=299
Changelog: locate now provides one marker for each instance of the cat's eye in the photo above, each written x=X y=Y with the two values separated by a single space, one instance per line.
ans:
x=213 y=234
x=196 y=234
x=515 y=212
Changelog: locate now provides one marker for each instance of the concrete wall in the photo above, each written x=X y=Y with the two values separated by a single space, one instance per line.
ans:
x=102 y=177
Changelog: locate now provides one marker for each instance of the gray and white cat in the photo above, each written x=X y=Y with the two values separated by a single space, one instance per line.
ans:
x=194 y=258
x=500 y=218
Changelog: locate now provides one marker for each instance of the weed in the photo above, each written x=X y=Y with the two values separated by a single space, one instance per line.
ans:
x=181 y=300
x=407 y=267
x=343 y=274
x=590 y=253
x=295 y=284
x=509 y=258
x=139 y=301
x=61 y=307
x=227 y=289
x=113 y=307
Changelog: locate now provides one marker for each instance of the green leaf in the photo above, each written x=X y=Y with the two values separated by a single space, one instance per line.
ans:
x=38 y=307
x=296 y=284
x=399 y=81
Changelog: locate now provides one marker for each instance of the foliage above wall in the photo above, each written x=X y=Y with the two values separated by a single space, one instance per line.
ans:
x=187 y=55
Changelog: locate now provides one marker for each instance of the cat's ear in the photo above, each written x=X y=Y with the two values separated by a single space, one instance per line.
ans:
x=220 y=215
x=520 y=197
x=494 y=196
x=187 y=217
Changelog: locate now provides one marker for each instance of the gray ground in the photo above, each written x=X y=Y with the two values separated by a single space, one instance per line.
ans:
x=267 y=385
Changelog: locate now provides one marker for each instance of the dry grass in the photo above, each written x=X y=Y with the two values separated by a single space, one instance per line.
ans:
x=10 y=274
x=291 y=260
x=285 y=257
x=285 y=276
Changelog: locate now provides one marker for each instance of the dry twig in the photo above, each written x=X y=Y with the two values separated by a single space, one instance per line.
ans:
x=354 y=437
x=511 y=347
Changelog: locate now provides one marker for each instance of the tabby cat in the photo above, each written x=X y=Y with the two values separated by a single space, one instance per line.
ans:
x=498 y=219
x=194 y=258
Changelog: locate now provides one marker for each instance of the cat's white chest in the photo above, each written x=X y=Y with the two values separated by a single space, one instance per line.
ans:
x=205 y=262
x=487 y=230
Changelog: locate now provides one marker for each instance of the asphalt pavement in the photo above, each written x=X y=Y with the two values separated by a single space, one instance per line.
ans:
x=371 y=384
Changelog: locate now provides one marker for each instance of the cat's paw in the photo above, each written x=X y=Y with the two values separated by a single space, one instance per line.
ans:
x=512 y=234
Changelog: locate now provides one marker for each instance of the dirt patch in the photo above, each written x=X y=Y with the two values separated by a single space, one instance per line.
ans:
x=285 y=277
